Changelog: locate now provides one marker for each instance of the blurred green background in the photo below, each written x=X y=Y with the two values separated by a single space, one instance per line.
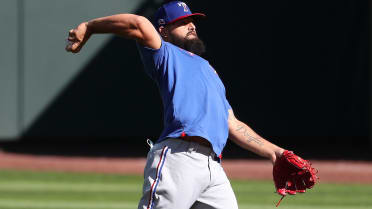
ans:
x=57 y=190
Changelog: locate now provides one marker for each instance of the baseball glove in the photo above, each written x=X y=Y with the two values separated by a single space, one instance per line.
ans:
x=293 y=174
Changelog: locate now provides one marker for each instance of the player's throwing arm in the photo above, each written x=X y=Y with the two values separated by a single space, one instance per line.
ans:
x=126 y=25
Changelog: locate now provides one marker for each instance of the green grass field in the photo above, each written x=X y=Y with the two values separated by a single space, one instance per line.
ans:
x=49 y=190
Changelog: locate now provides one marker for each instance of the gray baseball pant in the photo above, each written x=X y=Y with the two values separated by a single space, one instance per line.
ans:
x=184 y=175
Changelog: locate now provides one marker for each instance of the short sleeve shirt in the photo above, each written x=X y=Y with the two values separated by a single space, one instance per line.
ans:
x=193 y=95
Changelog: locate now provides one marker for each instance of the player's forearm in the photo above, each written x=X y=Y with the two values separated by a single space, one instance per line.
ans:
x=245 y=137
x=121 y=24
x=127 y=25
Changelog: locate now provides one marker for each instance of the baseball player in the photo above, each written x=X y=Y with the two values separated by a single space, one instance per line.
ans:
x=183 y=168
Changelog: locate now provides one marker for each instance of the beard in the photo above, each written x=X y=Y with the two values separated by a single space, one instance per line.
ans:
x=194 y=45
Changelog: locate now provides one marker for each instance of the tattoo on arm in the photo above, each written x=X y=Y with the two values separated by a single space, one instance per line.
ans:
x=249 y=137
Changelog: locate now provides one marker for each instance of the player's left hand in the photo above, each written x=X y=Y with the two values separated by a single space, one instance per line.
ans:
x=77 y=38
x=293 y=174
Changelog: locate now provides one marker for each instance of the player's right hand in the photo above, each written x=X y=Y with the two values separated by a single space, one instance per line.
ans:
x=77 y=38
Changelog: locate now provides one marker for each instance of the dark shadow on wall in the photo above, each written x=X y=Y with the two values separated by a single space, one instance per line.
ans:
x=108 y=106
x=107 y=110
x=297 y=73
x=111 y=97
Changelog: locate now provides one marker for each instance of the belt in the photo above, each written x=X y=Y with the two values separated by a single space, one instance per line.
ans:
x=202 y=141
x=197 y=139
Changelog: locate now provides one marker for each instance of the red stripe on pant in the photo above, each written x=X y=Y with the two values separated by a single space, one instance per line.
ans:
x=156 y=179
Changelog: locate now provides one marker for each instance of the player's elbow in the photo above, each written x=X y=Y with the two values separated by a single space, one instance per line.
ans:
x=141 y=21
x=233 y=126
x=146 y=33
x=143 y=25
x=233 y=122
x=130 y=25
x=135 y=27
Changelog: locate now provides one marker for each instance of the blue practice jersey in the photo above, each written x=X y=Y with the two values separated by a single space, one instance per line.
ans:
x=194 y=98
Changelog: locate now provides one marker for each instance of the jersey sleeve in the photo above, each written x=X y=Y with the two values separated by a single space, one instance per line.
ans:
x=228 y=104
x=153 y=59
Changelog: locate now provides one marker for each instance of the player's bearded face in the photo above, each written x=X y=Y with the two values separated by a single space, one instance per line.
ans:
x=183 y=34
x=190 y=42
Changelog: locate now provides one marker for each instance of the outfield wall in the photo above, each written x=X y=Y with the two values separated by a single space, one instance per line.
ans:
x=34 y=66
x=298 y=74
x=9 y=60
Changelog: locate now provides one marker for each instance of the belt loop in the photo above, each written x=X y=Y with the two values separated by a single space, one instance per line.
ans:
x=209 y=169
x=219 y=160
x=215 y=157
x=150 y=143
x=183 y=134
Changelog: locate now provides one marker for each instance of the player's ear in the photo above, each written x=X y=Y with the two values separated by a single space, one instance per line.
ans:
x=163 y=31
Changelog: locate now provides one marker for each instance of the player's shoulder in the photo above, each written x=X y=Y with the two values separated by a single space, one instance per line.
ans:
x=169 y=46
